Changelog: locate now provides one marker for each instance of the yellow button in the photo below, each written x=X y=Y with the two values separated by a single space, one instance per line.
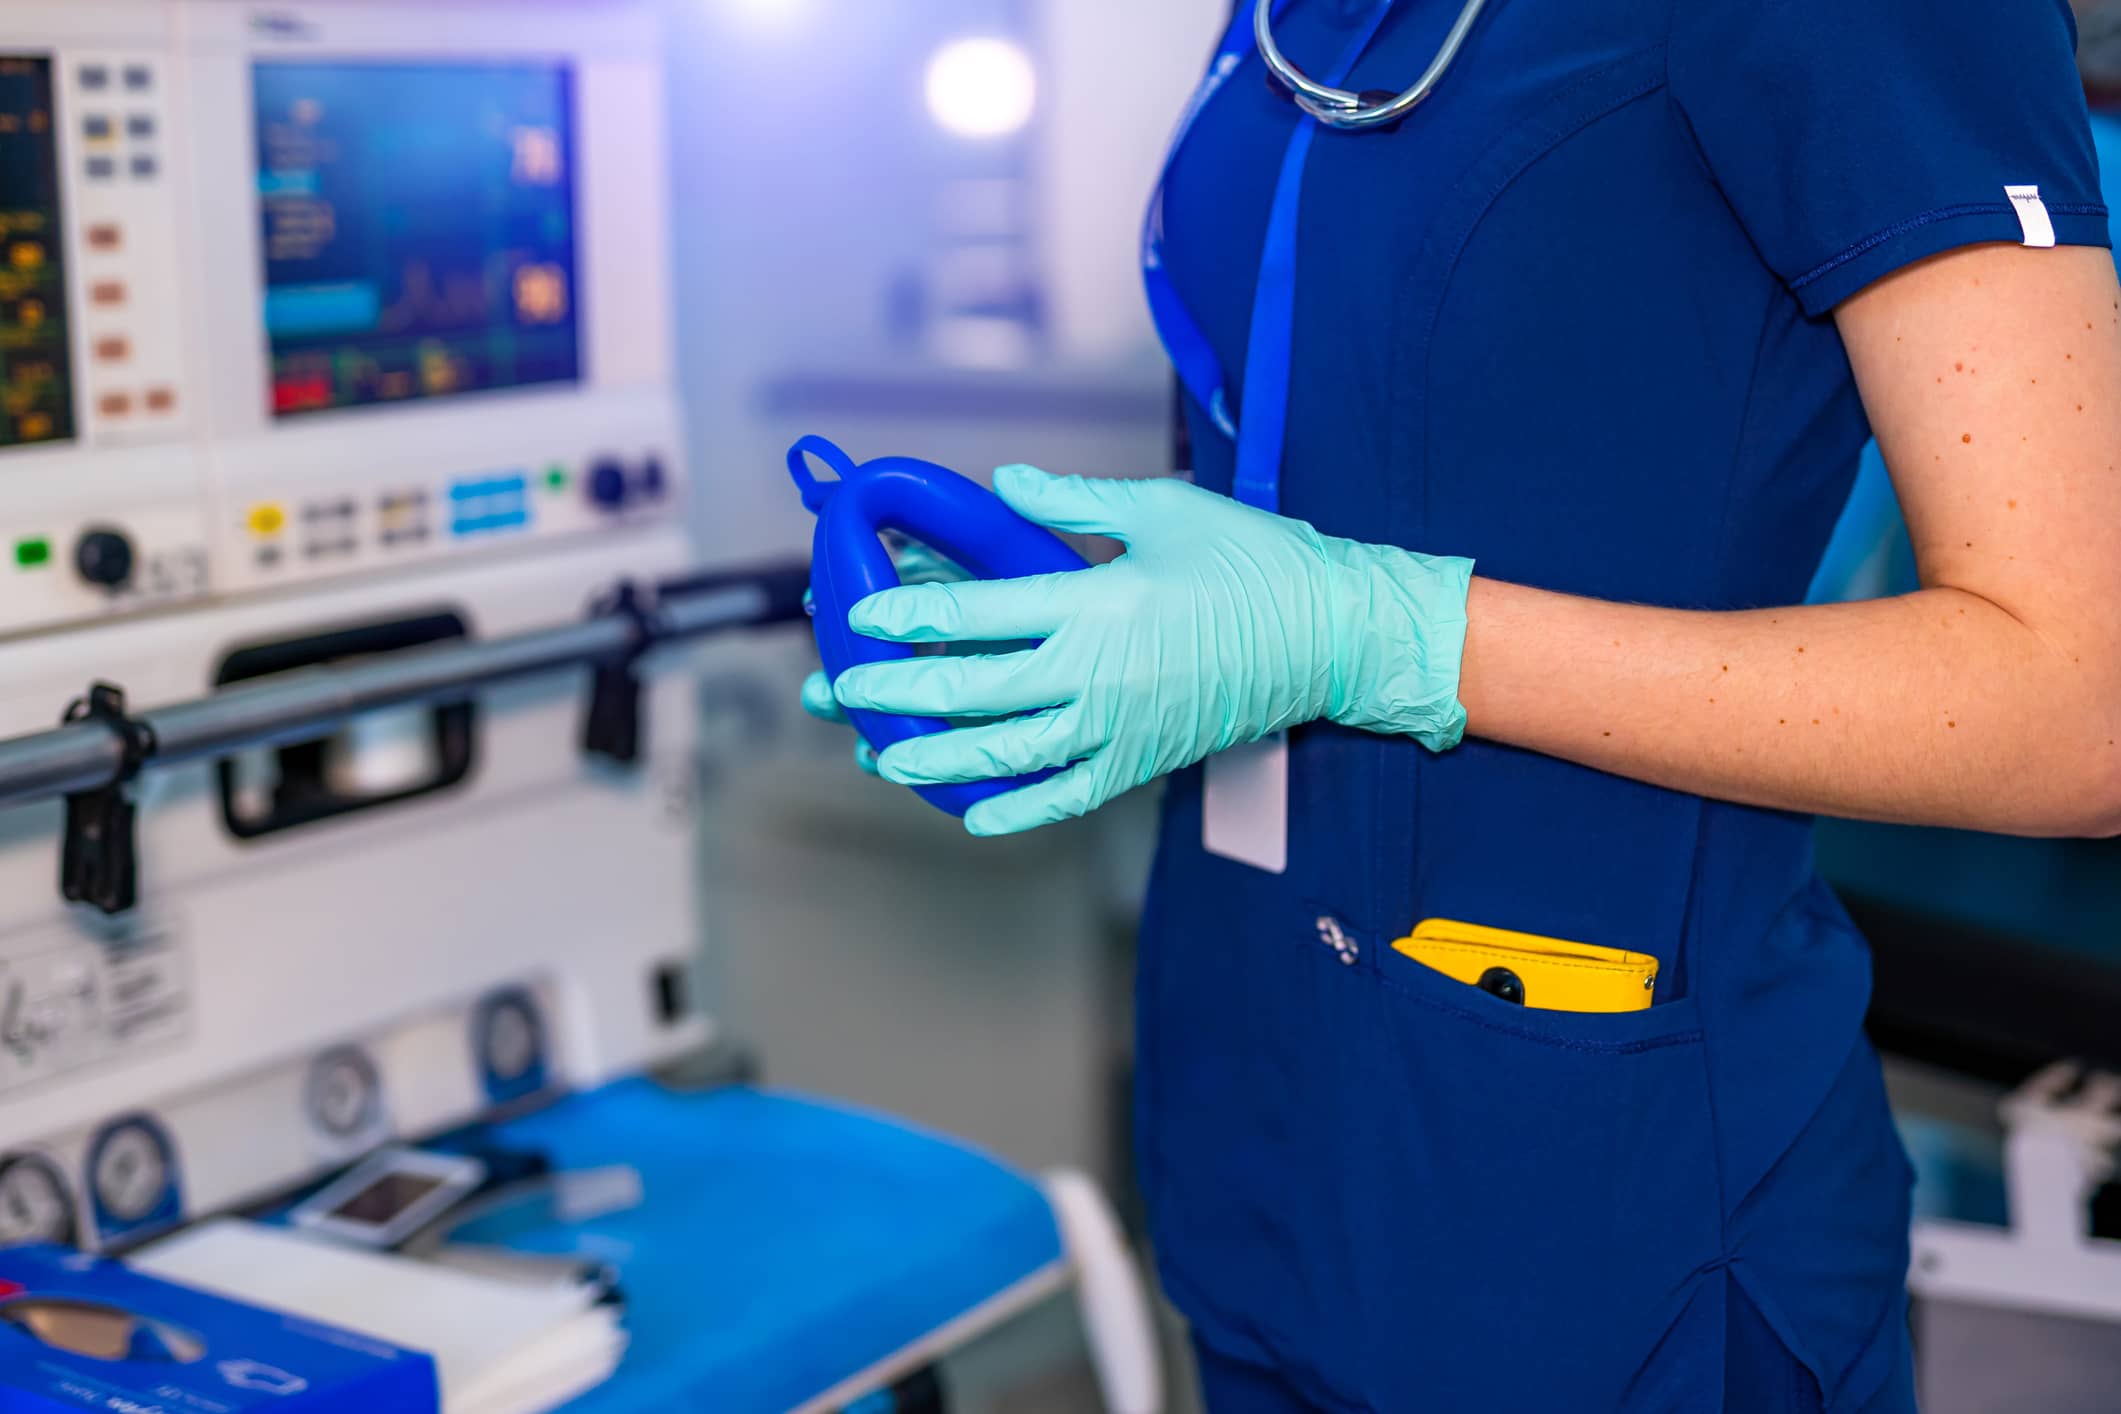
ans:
x=267 y=519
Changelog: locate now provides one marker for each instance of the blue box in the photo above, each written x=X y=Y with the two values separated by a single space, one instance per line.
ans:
x=186 y=1352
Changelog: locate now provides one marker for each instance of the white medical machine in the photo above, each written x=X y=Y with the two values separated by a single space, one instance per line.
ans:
x=328 y=331
x=2029 y=1315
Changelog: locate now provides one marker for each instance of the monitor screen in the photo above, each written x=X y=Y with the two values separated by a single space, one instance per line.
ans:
x=36 y=372
x=418 y=226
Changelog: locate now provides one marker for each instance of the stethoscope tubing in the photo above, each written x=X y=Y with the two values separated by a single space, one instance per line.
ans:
x=1350 y=112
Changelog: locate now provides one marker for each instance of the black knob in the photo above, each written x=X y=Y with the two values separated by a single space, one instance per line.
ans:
x=607 y=485
x=104 y=556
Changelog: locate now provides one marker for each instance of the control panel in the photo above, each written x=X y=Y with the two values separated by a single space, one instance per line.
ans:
x=293 y=294
x=113 y=118
x=328 y=330
x=125 y=1176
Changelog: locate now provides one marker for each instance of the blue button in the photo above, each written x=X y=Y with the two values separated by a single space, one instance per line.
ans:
x=653 y=482
x=607 y=485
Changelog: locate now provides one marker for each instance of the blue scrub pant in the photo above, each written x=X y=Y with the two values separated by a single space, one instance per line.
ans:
x=1760 y=1378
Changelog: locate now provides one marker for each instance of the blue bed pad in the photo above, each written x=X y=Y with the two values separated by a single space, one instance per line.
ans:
x=783 y=1245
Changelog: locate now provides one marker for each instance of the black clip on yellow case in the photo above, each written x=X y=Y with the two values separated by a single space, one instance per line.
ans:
x=1546 y=974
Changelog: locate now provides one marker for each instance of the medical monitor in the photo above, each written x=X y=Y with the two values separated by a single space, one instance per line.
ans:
x=322 y=292
x=36 y=366
x=417 y=230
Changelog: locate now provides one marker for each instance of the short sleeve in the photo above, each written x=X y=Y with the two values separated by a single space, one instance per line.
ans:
x=1854 y=137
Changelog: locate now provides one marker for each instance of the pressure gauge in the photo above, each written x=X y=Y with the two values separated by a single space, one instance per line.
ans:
x=130 y=1175
x=35 y=1203
x=511 y=1041
x=344 y=1096
x=508 y=1044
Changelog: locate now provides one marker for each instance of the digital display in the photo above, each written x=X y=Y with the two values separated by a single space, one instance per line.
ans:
x=418 y=226
x=382 y=1201
x=36 y=376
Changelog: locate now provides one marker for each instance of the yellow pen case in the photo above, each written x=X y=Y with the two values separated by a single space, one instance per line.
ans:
x=1547 y=974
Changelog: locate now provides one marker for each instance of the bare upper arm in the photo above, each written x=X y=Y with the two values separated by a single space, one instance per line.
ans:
x=1992 y=376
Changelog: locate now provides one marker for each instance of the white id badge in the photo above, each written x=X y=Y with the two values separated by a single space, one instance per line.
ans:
x=1245 y=805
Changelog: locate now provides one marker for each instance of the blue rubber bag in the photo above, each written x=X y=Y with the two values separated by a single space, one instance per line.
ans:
x=950 y=514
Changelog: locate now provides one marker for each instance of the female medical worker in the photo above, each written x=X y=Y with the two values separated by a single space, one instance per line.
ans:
x=1611 y=316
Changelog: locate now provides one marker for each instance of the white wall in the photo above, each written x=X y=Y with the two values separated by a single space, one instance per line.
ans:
x=1116 y=77
x=866 y=945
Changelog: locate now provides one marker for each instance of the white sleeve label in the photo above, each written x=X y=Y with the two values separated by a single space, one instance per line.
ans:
x=2032 y=216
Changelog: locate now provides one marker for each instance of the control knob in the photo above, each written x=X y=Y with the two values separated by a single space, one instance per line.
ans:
x=104 y=556
x=607 y=485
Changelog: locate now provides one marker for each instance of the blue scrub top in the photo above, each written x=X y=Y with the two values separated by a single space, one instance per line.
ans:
x=1573 y=319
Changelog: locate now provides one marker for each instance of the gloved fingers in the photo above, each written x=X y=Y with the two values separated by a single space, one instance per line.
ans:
x=990 y=611
x=1076 y=791
x=818 y=700
x=985 y=685
x=1112 y=506
x=919 y=564
x=998 y=751
x=865 y=756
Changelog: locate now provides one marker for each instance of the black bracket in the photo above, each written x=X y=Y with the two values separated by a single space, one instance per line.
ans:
x=614 y=726
x=99 y=863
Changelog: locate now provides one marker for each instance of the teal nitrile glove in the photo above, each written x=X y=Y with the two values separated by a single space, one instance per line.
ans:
x=917 y=564
x=1220 y=625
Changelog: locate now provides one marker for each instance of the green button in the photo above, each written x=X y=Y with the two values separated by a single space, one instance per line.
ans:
x=32 y=552
x=556 y=479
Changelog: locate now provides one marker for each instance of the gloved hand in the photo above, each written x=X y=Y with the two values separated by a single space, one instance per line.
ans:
x=917 y=564
x=1220 y=625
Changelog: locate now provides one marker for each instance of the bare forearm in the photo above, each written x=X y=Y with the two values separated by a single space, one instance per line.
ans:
x=1936 y=708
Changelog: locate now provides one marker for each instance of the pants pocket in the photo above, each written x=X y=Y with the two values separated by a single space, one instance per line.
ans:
x=1399 y=1192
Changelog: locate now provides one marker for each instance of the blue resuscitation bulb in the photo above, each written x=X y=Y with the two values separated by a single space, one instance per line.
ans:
x=950 y=514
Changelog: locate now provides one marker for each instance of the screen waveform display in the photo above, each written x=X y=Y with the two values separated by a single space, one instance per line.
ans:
x=36 y=369
x=418 y=230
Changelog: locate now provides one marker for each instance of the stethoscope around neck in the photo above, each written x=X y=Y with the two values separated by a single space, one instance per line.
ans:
x=1357 y=112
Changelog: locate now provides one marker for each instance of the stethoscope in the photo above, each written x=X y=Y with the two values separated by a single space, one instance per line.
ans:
x=1357 y=112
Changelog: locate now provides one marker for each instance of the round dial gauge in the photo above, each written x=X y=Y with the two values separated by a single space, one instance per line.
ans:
x=131 y=1172
x=35 y=1204
x=344 y=1094
x=511 y=1042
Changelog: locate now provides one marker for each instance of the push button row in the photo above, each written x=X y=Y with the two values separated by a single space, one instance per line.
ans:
x=614 y=487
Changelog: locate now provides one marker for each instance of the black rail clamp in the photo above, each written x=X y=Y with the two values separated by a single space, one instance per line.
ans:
x=613 y=728
x=99 y=860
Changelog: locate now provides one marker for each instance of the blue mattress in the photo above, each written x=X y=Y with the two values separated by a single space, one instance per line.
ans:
x=784 y=1245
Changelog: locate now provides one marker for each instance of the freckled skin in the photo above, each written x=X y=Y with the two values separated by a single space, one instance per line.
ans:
x=1989 y=634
